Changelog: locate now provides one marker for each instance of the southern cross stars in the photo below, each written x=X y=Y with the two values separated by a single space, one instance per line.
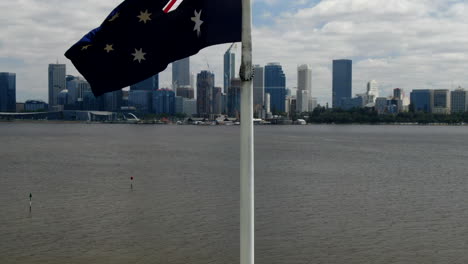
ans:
x=139 y=55
x=198 y=22
x=114 y=17
x=86 y=47
x=109 y=48
x=144 y=16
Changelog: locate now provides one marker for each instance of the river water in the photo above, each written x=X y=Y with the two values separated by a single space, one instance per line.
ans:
x=324 y=194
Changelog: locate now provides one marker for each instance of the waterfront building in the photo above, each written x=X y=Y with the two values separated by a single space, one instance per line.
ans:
x=193 y=83
x=291 y=104
x=150 y=84
x=181 y=73
x=205 y=85
x=19 y=107
x=342 y=81
x=179 y=105
x=398 y=93
x=258 y=89
x=111 y=101
x=57 y=82
x=350 y=103
x=190 y=107
x=62 y=99
x=275 y=85
x=459 y=100
x=35 y=105
x=441 y=102
x=267 y=103
x=185 y=91
x=422 y=100
x=302 y=102
x=217 y=100
x=164 y=101
x=72 y=87
x=234 y=98
x=89 y=102
x=7 y=92
x=229 y=68
x=304 y=83
x=313 y=103
x=371 y=94
x=381 y=105
x=142 y=100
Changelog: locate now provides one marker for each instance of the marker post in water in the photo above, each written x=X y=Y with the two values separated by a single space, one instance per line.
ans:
x=30 y=201
x=131 y=183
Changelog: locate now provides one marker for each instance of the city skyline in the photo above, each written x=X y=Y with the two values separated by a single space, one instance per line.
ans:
x=384 y=43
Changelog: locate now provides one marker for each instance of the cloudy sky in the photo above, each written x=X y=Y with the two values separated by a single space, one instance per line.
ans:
x=412 y=44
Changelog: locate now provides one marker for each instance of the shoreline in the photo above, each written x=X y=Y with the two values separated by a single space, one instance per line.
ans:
x=20 y=121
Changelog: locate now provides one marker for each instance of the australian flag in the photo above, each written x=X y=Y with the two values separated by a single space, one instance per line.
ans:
x=141 y=37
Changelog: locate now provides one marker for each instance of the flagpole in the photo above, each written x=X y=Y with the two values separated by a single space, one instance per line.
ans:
x=247 y=229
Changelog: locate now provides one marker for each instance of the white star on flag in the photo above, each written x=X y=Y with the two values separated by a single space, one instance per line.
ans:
x=109 y=48
x=144 y=16
x=139 y=55
x=114 y=17
x=198 y=22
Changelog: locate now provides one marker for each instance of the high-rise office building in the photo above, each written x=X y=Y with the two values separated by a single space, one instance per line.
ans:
x=190 y=107
x=7 y=92
x=150 y=84
x=441 y=102
x=459 y=100
x=164 y=101
x=342 y=81
x=258 y=89
x=57 y=82
x=112 y=101
x=398 y=93
x=302 y=101
x=422 y=100
x=205 y=86
x=229 y=68
x=234 y=97
x=185 y=91
x=304 y=88
x=179 y=104
x=217 y=100
x=181 y=73
x=275 y=85
x=142 y=100
x=372 y=92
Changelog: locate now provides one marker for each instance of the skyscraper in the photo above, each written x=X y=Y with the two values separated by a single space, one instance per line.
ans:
x=7 y=92
x=217 y=101
x=342 y=81
x=205 y=85
x=164 y=101
x=234 y=97
x=258 y=88
x=372 y=91
x=398 y=93
x=422 y=100
x=441 y=102
x=150 y=84
x=304 y=88
x=181 y=73
x=229 y=68
x=275 y=85
x=459 y=100
x=57 y=82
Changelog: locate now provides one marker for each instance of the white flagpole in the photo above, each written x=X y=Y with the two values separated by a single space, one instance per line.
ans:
x=247 y=236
